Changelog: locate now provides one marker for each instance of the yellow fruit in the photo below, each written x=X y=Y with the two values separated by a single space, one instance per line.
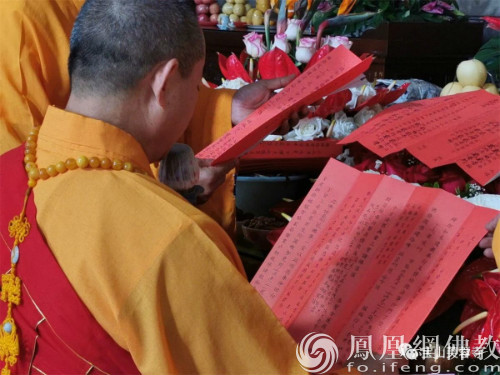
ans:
x=471 y=73
x=239 y=9
x=234 y=18
x=491 y=88
x=247 y=7
x=239 y=1
x=262 y=5
x=470 y=88
x=250 y=14
x=451 y=89
x=230 y=1
x=257 y=18
x=243 y=19
x=227 y=8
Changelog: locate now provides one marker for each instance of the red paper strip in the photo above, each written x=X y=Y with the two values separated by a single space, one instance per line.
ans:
x=367 y=255
x=462 y=129
x=326 y=148
x=332 y=72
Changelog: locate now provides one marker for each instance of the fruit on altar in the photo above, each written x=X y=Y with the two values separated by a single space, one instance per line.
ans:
x=257 y=18
x=207 y=10
x=471 y=73
x=451 y=89
x=227 y=8
x=470 y=88
x=262 y=5
x=250 y=14
x=491 y=88
x=239 y=10
x=236 y=9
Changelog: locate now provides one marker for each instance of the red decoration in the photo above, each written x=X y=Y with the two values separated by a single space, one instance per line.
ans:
x=276 y=64
x=232 y=68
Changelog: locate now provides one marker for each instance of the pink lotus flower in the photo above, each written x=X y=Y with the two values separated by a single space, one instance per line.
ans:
x=437 y=7
x=335 y=41
x=254 y=45
x=305 y=50
x=281 y=42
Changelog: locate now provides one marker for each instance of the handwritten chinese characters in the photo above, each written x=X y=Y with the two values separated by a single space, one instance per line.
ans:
x=367 y=255
x=332 y=72
x=462 y=129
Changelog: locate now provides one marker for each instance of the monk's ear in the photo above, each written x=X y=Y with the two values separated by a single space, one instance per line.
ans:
x=162 y=79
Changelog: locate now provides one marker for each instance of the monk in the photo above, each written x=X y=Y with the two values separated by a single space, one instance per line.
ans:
x=33 y=76
x=119 y=273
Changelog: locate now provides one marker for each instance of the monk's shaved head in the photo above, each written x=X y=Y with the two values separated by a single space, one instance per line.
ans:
x=115 y=43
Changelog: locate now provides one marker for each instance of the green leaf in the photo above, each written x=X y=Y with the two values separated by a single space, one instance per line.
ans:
x=489 y=54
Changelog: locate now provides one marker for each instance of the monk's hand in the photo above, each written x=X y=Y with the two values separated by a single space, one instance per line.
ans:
x=252 y=96
x=211 y=177
x=487 y=240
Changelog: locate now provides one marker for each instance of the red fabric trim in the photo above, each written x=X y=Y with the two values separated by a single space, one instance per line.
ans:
x=68 y=319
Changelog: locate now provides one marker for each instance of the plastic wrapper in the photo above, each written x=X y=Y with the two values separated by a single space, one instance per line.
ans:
x=418 y=90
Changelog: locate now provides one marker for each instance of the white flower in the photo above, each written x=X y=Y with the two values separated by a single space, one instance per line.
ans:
x=305 y=50
x=234 y=84
x=335 y=41
x=364 y=115
x=281 y=42
x=308 y=129
x=360 y=94
x=346 y=158
x=273 y=138
x=343 y=125
x=486 y=200
x=254 y=44
x=292 y=29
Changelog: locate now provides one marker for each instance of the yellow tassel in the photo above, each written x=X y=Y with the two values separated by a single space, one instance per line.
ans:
x=19 y=228
x=9 y=345
x=11 y=288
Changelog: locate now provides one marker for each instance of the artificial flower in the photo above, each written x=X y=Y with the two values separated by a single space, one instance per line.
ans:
x=305 y=50
x=343 y=125
x=254 y=44
x=233 y=84
x=275 y=64
x=292 y=29
x=437 y=7
x=481 y=315
x=493 y=22
x=451 y=180
x=419 y=173
x=332 y=104
x=360 y=95
x=335 y=41
x=281 y=42
x=232 y=68
x=318 y=55
x=364 y=115
x=346 y=6
x=308 y=129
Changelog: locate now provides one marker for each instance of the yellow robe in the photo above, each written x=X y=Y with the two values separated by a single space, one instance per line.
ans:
x=162 y=278
x=34 y=75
